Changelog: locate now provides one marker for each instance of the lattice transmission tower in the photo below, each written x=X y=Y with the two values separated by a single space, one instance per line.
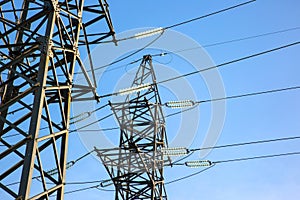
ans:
x=39 y=53
x=136 y=166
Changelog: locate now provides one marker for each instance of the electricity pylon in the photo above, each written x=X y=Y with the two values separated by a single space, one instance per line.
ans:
x=39 y=52
x=136 y=166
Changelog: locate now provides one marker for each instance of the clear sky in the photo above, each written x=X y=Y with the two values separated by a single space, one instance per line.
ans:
x=246 y=119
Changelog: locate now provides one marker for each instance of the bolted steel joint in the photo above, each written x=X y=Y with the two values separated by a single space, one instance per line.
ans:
x=45 y=45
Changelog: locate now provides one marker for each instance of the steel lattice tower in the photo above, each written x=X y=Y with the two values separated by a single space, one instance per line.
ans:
x=136 y=166
x=39 y=52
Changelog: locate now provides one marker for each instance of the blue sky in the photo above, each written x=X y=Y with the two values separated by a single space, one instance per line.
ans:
x=247 y=119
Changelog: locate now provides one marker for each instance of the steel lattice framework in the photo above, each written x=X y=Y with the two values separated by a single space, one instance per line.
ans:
x=39 y=53
x=136 y=166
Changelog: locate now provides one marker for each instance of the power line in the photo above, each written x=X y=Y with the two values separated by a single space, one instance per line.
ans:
x=230 y=62
x=189 y=176
x=205 y=148
x=105 y=190
x=196 y=173
x=161 y=30
x=201 y=171
x=187 y=49
x=237 y=40
x=69 y=164
x=246 y=143
x=121 y=59
x=245 y=158
x=81 y=189
x=85 y=115
x=213 y=147
x=88 y=188
x=196 y=103
x=8 y=136
x=193 y=174
x=77 y=190
x=208 y=45
x=191 y=151
x=217 y=66
x=181 y=111
x=232 y=160
x=82 y=182
x=250 y=94
x=257 y=157
x=89 y=182
x=92 y=123
x=178 y=51
x=208 y=15
x=81 y=116
x=83 y=156
x=97 y=186
x=88 y=112
x=183 y=158
x=234 y=97
x=97 y=130
x=85 y=188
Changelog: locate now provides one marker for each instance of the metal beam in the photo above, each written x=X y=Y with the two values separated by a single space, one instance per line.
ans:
x=39 y=50
x=136 y=166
